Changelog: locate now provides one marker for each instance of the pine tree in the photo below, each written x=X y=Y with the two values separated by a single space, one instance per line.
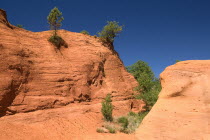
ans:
x=54 y=19
x=110 y=31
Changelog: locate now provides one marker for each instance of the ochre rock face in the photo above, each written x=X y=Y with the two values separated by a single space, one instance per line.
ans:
x=182 y=111
x=35 y=75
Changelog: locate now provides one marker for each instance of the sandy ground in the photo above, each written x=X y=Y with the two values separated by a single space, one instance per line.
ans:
x=66 y=123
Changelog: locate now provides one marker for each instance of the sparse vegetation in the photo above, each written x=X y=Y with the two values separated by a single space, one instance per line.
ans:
x=149 y=88
x=126 y=124
x=100 y=130
x=54 y=19
x=109 y=32
x=19 y=26
x=57 y=41
x=111 y=128
x=85 y=32
x=131 y=122
x=107 y=108
x=178 y=61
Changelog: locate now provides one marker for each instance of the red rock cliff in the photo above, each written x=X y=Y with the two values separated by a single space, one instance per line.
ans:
x=36 y=76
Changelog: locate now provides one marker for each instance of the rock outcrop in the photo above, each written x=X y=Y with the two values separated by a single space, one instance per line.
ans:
x=182 y=111
x=3 y=19
x=35 y=75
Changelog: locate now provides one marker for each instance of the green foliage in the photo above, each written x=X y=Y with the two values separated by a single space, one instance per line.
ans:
x=131 y=122
x=151 y=96
x=126 y=124
x=123 y=121
x=110 y=31
x=54 y=19
x=178 y=61
x=131 y=114
x=85 y=32
x=111 y=128
x=141 y=115
x=143 y=74
x=57 y=41
x=107 y=108
x=149 y=86
x=19 y=26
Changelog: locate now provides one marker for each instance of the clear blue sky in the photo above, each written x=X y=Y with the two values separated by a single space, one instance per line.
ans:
x=158 y=32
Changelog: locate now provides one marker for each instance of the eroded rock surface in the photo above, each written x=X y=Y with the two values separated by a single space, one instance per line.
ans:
x=51 y=94
x=35 y=75
x=182 y=111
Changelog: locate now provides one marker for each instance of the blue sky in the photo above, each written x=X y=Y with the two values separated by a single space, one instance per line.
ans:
x=158 y=32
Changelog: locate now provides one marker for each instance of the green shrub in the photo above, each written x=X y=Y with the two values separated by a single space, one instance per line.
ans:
x=110 y=31
x=100 y=130
x=141 y=115
x=126 y=124
x=111 y=128
x=85 y=32
x=107 y=108
x=131 y=122
x=123 y=121
x=57 y=41
x=132 y=114
x=134 y=122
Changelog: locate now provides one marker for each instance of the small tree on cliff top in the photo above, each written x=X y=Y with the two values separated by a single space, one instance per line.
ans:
x=110 y=31
x=54 y=19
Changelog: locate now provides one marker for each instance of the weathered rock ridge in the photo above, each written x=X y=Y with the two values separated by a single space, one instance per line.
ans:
x=182 y=111
x=36 y=76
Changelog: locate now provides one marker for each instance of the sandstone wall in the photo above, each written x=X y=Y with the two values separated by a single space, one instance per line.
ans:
x=182 y=111
x=35 y=75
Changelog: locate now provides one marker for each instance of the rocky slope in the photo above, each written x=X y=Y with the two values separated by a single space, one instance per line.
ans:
x=46 y=93
x=182 y=111
x=35 y=75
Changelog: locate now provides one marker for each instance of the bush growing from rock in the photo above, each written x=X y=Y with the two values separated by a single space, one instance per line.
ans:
x=57 y=41
x=85 y=32
x=110 y=31
x=19 y=26
x=54 y=19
